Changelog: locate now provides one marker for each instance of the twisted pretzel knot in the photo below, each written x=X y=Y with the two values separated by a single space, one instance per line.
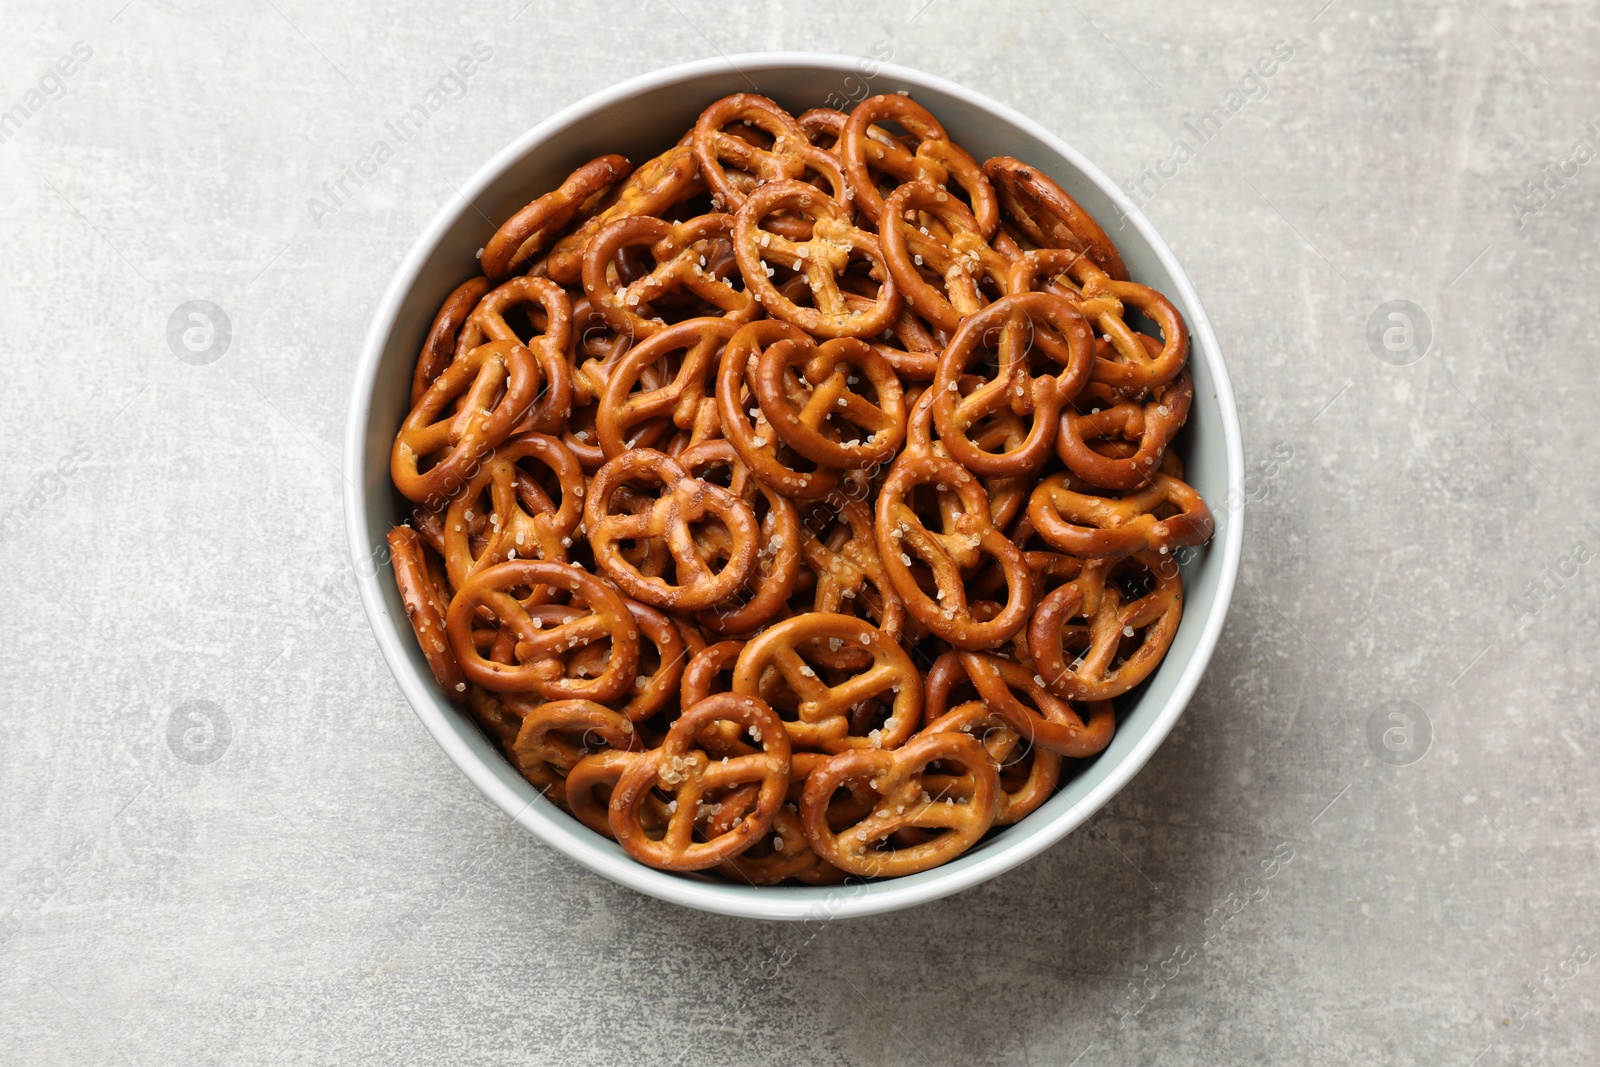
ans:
x=684 y=501
x=491 y=388
x=520 y=518
x=1049 y=217
x=935 y=159
x=970 y=535
x=525 y=234
x=824 y=708
x=1028 y=775
x=821 y=258
x=681 y=252
x=1119 y=642
x=777 y=565
x=808 y=395
x=1134 y=367
x=425 y=607
x=690 y=776
x=1017 y=320
x=668 y=179
x=1165 y=515
x=925 y=230
x=745 y=422
x=1046 y=720
x=677 y=399
x=538 y=650
x=545 y=751
x=964 y=809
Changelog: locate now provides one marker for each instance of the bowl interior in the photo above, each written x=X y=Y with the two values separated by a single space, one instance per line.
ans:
x=641 y=118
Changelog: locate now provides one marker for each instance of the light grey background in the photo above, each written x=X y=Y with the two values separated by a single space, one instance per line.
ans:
x=227 y=840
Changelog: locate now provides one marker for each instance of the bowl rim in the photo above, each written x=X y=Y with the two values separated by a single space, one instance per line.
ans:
x=543 y=819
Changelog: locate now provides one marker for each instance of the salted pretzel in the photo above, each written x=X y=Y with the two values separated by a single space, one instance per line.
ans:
x=465 y=414
x=530 y=230
x=1150 y=425
x=1046 y=720
x=1120 y=639
x=1028 y=774
x=685 y=772
x=1091 y=523
x=425 y=607
x=745 y=423
x=1134 y=367
x=440 y=346
x=680 y=250
x=823 y=708
x=963 y=811
x=969 y=537
x=642 y=403
x=549 y=312
x=511 y=511
x=839 y=546
x=1049 y=217
x=660 y=183
x=539 y=667
x=555 y=735
x=714 y=148
x=954 y=250
x=798 y=506
x=821 y=258
x=1012 y=324
x=935 y=159
x=812 y=397
x=777 y=564
x=684 y=501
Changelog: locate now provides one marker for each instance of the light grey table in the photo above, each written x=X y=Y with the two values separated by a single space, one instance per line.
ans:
x=1372 y=839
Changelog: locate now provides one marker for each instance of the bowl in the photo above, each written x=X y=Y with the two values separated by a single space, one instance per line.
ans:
x=640 y=118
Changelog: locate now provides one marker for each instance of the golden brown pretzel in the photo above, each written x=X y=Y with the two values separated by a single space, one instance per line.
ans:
x=745 y=424
x=684 y=501
x=1048 y=216
x=1016 y=321
x=518 y=519
x=682 y=399
x=1089 y=523
x=655 y=187
x=689 y=776
x=813 y=401
x=824 y=708
x=927 y=231
x=821 y=258
x=964 y=810
x=425 y=608
x=1028 y=774
x=1151 y=424
x=936 y=159
x=544 y=749
x=1120 y=640
x=777 y=563
x=545 y=305
x=841 y=549
x=539 y=667
x=525 y=234
x=970 y=536
x=680 y=250
x=1045 y=719
x=440 y=347
x=465 y=414
x=713 y=146
x=1133 y=368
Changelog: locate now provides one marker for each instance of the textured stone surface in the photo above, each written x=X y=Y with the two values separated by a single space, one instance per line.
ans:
x=328 y=889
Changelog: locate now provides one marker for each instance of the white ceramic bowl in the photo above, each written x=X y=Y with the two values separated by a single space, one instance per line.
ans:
x=640 y=118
